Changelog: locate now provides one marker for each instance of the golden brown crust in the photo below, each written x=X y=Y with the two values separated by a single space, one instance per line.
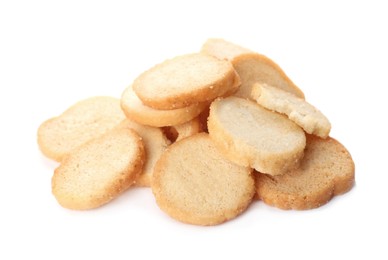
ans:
x=194 y=184
x=99 y=170
x=184 y=80
x=326 y=170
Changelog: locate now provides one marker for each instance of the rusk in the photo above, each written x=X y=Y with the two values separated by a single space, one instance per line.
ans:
x=251 y=67
x=326 y=170
x=254 y=67
x=195 y=184
x=137 y=111
x=223 y=50
x=85 y=120
x=99 y=170
x=297 y=109
x=185 y=80
x=250 y=135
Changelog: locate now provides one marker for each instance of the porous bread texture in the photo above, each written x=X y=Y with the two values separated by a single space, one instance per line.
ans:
x=251 y=136
x=83 y=121
x=326 y=170
x=251 y=67
x=137 y=111
x=155 y=142
x=297 y=109
x=185 y=80
x=99 y=170
x=195 y=184
x=179 y=132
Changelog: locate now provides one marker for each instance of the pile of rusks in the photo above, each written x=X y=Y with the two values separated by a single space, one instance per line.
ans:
x=209 y=132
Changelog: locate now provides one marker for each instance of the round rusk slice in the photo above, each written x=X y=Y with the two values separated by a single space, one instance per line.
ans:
x=137 y=111
x=85 y=120
x=195 y=184
x=223 y=50
x=99 y=170
x=254 y=67
x=326 y=170
x=251 y=67
x=185 y=80
x=252 y=136
x=297 y=109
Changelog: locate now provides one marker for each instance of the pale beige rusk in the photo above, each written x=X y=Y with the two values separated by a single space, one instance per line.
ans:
x=252 y=136
x=297 y=109
x=99 y=170
x=326 y=170
x=137 y=111
x=185 y=80
x=155 y=143
x=223 y=50
x=251 y=67
x=195 y=184
x=83 y=121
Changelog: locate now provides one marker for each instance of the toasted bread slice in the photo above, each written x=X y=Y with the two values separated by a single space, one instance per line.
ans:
x=185 y=80
x=254 y=67
x=251 y=67
x=253 y=136
x=135 y=110
x=195 y=184
x=297 y=109
x=99 y=170
x=223 y=50
x=85 y=120
x=326 y=170
x=155 y=142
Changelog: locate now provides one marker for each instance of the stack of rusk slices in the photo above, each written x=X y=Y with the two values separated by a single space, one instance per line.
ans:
x=208 y=132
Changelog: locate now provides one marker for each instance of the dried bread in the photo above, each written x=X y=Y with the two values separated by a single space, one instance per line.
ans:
x=297 y=109
x=185 y=80
x=137 y=111
x=223 y=50
x=326 y=170
x=208 y=132
x=254 y=67
x=85 y=120
x=155 y=142
x=251 y=67
x=249 y=135
x=99 y=170
x=195 y=184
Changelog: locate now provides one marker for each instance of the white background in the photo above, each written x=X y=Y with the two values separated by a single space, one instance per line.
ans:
x=54 y=53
